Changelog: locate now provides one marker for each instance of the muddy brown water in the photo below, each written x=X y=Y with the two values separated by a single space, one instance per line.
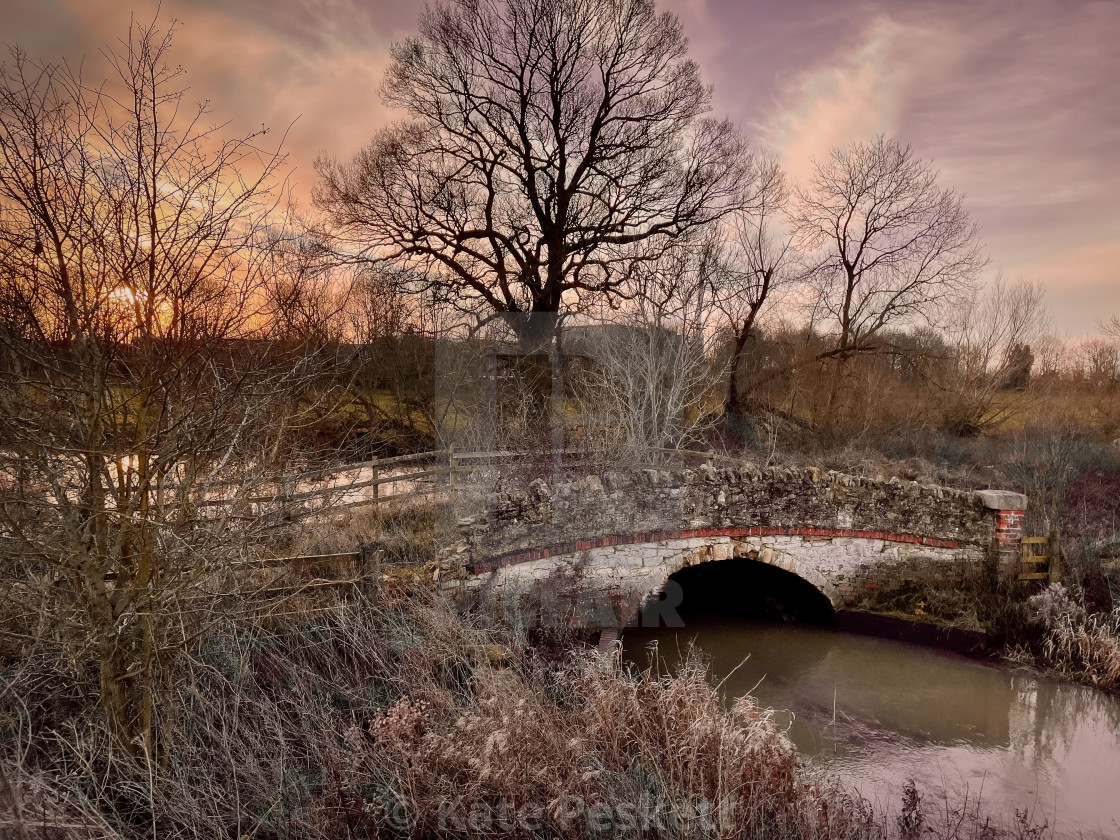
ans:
x=878 y=712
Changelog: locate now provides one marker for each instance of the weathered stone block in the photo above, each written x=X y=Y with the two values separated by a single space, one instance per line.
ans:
x=1002 y=499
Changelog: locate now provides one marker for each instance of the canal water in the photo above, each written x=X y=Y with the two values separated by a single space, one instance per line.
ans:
x=878 y=712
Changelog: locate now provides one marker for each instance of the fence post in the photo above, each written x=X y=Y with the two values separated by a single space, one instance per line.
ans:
x=369 y=568
x=451 y=464
x=1055 y=556
x=376 y=486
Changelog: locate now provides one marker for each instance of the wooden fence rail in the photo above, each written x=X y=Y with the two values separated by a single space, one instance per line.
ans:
x=457 y=464
x=318 y=492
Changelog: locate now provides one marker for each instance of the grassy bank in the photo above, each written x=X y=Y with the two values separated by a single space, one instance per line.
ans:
x=1050 y=627
x=1068 y=640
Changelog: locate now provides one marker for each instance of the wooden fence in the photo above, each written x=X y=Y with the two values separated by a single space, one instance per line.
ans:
x=452 y=464
x=1040 y=558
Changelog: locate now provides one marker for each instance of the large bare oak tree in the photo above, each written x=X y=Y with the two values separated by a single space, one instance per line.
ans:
x=548 y=145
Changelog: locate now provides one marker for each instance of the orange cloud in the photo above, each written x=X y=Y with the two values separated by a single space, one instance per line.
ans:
x=1017 y=103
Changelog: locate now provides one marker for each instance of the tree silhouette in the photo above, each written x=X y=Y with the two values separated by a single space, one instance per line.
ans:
x=549 y=146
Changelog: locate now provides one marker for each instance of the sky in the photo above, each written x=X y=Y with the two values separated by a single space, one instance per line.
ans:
x=1017 y=102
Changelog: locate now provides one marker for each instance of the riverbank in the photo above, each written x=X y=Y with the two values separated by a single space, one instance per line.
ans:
x=1059 y=628
x=403 y=718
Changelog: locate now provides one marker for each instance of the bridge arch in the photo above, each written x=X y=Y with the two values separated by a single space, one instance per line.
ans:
x=746 y=588
x=750 y=551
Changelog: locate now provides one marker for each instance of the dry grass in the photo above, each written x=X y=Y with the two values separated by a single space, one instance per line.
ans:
x=392 y=720
x=1081 y=647
x=582 y=750
x=1084 y=408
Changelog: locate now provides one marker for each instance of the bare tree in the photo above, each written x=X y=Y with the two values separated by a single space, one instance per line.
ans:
x=1111 y=327
x=646 y=384
x=891 y=246
x=1099 y=362
x=987 y=337
x=548 y=145
x=131 y=260
x=375 y=308
x=390 y=360
x=1051 y=357
x=304 y=299
x=756 y=264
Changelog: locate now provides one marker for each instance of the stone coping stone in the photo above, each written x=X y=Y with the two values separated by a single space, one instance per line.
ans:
x=1002 y=499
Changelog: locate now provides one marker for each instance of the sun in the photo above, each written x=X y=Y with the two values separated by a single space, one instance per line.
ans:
x=125 y=295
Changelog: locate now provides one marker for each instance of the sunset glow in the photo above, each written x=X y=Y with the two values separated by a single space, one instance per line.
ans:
x=1018 y=105
x=646 y=419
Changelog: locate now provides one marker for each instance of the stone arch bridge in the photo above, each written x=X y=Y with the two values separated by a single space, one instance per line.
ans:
x=597 y=549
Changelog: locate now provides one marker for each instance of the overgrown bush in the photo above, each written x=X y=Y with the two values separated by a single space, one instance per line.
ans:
x=1079 y=646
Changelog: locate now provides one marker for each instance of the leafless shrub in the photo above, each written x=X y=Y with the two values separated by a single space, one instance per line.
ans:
x=38 y=807
x=143 y=420
x=1086 y=648
x=989 y=346
x=646 y=382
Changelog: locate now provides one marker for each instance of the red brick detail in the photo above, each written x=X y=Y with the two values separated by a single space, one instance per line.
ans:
x=1009 y=527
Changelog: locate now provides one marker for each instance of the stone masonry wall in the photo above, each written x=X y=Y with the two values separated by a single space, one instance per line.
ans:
x=619 y=536
x=622 y=577
x=670 y=501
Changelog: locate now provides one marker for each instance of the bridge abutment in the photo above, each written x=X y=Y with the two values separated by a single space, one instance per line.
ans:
x=1009 y=511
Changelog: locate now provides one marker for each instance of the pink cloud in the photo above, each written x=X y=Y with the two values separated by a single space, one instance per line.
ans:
x=1018 y=103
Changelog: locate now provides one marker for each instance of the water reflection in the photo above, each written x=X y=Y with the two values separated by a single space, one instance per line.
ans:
x=880 y=712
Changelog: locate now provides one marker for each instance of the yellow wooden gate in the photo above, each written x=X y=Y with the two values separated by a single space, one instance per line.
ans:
x=1040 y=558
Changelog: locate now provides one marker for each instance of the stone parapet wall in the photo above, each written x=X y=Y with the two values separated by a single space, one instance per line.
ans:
x=615 y=539
x=744 y=497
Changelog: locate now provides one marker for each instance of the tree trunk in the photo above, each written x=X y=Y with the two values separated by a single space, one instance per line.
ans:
x=735 y=406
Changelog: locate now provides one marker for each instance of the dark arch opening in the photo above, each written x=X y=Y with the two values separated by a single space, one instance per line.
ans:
x=745 y=588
